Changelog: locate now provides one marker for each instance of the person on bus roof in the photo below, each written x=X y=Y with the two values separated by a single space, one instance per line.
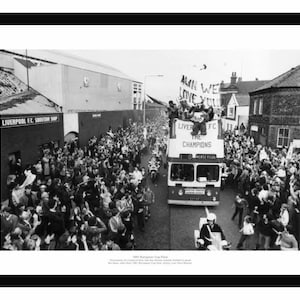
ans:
x=199 y=115
x=172 y=112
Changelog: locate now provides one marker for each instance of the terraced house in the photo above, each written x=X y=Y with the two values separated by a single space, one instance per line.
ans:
x=274 y=115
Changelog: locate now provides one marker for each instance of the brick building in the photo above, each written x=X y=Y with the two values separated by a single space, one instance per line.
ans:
x=274 y=118
x=235 y=99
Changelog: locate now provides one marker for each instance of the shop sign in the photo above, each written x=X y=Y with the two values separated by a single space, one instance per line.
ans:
x=25 y=121
x=254 y=128
x=96 y=115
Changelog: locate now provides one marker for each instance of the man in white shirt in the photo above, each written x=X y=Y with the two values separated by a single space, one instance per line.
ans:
x=137 y=176
x=264 y=193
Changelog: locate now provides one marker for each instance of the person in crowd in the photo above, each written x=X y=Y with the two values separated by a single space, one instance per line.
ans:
x=240 y=204
x=265 y=230
x=9 y=222
x=140 y=211
x=55 y=220
x=287 y=240
x=247 y=231
x=149 y=198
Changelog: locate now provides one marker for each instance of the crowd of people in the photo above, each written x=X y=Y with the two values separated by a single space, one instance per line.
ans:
x=90 y=198
x=268 y=199
x=95 y=197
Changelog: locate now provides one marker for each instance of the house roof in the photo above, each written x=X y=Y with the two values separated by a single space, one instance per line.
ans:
x=241 y=91
x=243 y=87
x=64 y=58
x=26 y=63
x=29 y=102
x=246 y=87
x=290 y=78
x=242 y=100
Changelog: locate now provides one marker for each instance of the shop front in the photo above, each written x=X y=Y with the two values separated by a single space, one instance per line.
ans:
x=23 y=139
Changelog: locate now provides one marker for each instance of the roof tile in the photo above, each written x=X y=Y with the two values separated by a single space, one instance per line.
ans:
x=290 y=78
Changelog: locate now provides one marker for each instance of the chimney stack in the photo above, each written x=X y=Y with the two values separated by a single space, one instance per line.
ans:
x=233 y=78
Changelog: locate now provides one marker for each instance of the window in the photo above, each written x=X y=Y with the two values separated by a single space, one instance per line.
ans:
x=207 y=173
x=283 y=137
x=255 y=106
x=260 y=109
x=182 y=172
x=230 y=112
x=137 y=96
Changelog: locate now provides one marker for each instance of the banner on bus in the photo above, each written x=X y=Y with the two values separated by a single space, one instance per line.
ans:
x=197 y=148
x=183 y=129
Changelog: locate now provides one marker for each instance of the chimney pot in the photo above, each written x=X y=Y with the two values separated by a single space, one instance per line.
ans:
x=233 y=78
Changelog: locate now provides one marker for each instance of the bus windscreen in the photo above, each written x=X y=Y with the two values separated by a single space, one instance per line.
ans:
x=207 y=173
x=182 y=172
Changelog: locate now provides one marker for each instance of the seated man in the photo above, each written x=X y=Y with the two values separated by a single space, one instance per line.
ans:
x=211 y=235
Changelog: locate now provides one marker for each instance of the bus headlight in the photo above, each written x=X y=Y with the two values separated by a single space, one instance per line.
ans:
x=180 y=192
x=208 y=193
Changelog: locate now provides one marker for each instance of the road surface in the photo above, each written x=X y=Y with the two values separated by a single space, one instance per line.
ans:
x=172 y=227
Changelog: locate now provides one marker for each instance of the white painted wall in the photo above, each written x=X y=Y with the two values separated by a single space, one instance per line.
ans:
x=242 y=113
x=6 y=61
x=64 y=85
x=117 y=95
x=47 y=80
x=71 y=122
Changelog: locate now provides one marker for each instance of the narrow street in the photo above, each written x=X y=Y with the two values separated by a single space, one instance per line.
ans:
x=157 y=229
x=172 y=227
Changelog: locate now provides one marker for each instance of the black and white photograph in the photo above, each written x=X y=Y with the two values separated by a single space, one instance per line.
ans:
x=178 y=158
x=150 y=150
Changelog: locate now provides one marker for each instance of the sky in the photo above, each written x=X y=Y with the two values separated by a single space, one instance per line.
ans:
x=172 y=64
x=262 y=52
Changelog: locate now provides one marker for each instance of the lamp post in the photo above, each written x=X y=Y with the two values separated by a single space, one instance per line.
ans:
x=144 y=106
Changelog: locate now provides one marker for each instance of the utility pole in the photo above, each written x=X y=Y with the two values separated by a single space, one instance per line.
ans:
x=27 y=71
